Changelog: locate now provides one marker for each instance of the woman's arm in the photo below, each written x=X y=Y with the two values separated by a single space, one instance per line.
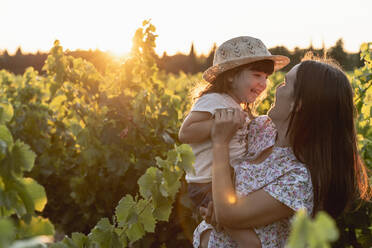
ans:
x=258 y=208
x=196 y=127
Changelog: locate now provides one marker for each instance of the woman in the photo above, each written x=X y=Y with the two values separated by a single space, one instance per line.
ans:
x=306 y=158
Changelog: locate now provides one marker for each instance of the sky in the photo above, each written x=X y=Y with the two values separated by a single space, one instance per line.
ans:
x=109 y=25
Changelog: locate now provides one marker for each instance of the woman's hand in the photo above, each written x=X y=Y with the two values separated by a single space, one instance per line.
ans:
x=227 y=122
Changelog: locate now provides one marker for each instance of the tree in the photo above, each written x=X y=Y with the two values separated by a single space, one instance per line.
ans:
x=338 y=53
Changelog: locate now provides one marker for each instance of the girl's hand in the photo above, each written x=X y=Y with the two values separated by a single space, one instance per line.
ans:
x=227 y=121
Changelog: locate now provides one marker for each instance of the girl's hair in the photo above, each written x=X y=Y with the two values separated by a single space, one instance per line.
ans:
x=322 y=133
x=222 y=85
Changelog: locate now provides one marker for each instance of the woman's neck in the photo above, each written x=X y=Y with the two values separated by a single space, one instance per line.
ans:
x=282 y=139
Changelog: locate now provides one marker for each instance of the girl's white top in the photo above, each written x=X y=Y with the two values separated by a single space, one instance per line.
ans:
x=203 y=151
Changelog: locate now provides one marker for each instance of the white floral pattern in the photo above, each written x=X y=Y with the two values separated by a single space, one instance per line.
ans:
x=281 y=175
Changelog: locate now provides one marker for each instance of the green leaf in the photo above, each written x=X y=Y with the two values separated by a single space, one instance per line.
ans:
x=162 y=163
x=173 y=156
x=6 y=136
x=22 y=193
x=125 y=207
x=6 y=113
x=325 y=228
x=7 y=232
x=187 y=158
x=145 y=215
x=123 y=239
x=149 y=183
x=3 y=149
x=23 y=157
x=37 y=193
x=79 y=239
x=102 y=233
x=162 y=209
x=38 y=226
x=135 y=232
x=170 y=184
x=300 y=230
x=312 y=233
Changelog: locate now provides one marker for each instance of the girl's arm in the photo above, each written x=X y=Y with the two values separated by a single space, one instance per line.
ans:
x=196 y=128
x=256 y=209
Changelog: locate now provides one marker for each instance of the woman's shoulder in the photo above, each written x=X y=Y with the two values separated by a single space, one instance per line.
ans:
x=292 y=165
x=298 y=167
x=290 y=180
x=281 y=162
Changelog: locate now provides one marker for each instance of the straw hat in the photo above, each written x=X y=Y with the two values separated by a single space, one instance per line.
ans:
x=239 y=51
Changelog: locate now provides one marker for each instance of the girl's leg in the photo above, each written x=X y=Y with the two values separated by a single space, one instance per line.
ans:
x=244 y=237
x=204 y=238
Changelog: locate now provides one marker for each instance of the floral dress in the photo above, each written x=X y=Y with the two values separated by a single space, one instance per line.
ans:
x=281 y=175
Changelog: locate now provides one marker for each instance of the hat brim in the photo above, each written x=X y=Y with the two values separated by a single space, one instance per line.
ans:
x=212 y=72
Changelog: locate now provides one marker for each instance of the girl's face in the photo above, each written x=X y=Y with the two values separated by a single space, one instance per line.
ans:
x=248 y=85
x=284 y=101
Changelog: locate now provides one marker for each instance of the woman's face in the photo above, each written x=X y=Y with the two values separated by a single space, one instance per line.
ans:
x=284 y=101
x=248 y=85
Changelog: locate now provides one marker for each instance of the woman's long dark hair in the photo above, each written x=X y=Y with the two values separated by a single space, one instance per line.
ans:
x=222 y=85
x=323 y=136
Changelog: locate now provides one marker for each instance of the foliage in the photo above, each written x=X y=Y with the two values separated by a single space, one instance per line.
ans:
x=315 y=233
x=20 y=197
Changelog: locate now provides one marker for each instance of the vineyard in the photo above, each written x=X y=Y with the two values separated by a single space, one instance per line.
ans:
x=94 y=160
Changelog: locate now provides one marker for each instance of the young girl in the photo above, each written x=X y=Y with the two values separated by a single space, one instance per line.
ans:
x=237 y=78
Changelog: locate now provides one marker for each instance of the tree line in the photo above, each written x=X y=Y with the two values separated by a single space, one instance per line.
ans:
x=188 y=63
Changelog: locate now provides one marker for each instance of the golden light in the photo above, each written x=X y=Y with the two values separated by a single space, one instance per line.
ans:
x=231 y=199
x=120 y=49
